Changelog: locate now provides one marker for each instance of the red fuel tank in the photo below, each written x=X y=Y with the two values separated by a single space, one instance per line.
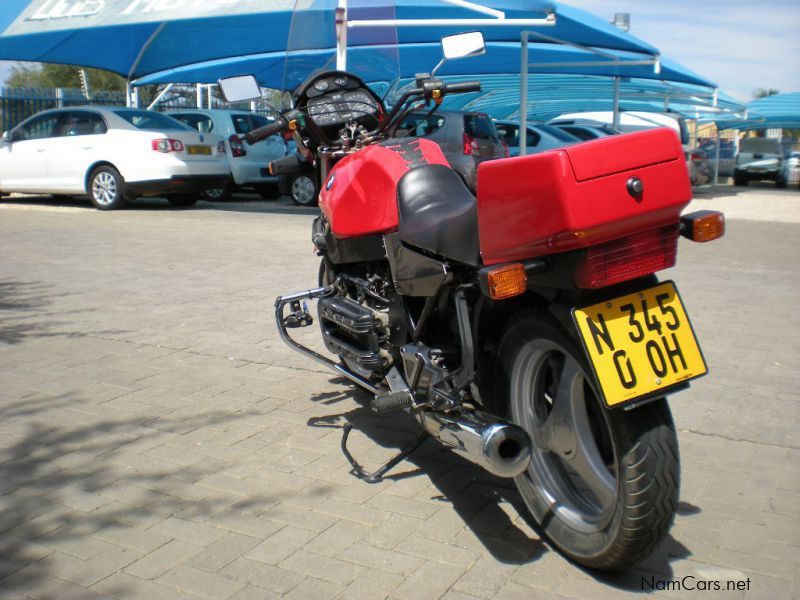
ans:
x=359 y=197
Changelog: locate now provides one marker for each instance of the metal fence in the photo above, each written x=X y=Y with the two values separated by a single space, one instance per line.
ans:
x=17 y=104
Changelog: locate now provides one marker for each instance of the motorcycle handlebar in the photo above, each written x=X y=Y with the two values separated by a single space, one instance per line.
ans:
x=264 y=132
x=462 y=87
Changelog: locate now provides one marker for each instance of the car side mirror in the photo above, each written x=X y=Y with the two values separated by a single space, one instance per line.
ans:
x=7 y=136
x=240 y=88
x=461 y=45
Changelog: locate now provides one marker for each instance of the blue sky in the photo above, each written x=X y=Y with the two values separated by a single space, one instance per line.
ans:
x=739 y=44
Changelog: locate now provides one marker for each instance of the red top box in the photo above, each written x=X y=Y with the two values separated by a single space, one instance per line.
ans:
x=579 y=196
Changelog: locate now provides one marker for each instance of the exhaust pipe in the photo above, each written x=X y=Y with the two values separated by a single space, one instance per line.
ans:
x=500 y=447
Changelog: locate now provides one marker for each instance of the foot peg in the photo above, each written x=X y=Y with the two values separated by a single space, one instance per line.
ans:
x=392 y=401
x=299 y=317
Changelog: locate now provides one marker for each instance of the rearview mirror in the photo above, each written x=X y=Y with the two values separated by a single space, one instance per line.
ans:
x=462 y=45
x=240 y=88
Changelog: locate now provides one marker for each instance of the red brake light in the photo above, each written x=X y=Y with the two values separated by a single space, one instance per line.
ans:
x=628 y=258
x=221 y=148
x=470 y=145
x=237 y=146
x=697 y=156
x=166 y=145
x=505 y=148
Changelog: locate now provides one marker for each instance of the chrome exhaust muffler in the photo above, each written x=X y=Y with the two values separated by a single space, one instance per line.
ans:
x=500 y=447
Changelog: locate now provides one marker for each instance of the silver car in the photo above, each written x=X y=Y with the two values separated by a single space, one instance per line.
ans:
x=790 y=174
x=758 y=159
x=249 y=163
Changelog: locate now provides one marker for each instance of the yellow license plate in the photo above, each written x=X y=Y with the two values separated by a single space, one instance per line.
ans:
x=199 y=150
x=639 y=344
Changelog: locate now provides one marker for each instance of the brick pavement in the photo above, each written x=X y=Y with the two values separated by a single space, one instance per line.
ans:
x=158 y=441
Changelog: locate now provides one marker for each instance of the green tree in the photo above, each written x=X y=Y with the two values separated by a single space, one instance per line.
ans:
x=764 y=92
x=63 y=76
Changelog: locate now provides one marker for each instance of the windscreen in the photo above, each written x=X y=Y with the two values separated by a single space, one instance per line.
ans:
x=372 y=51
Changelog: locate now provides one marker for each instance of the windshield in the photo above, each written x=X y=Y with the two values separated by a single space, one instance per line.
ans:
x=372 y=52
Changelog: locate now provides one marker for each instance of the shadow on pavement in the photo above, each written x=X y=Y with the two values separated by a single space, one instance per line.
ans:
x=65 y=487
x=25 y=313
x=480 y=499
x=239 y=203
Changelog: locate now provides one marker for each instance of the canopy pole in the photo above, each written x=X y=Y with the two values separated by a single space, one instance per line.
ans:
x=341 y=36
x=161 y=94
x=616 y=103
x=208 y=95
x=199 y=89
x=716 y=159
x=523 y=94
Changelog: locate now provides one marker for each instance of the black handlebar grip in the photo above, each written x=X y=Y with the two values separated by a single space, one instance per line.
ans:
x=463 y=87
x=264 y=132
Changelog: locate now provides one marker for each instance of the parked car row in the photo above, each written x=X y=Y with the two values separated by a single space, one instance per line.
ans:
x=113 y=154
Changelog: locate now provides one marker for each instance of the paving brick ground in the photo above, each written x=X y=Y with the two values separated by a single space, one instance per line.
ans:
x=157 y=440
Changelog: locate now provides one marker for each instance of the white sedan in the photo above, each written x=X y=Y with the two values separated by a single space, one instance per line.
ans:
x=111 y=154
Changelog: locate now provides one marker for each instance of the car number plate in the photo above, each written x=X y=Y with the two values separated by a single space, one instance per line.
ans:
x=639 y=344
x=205 y=150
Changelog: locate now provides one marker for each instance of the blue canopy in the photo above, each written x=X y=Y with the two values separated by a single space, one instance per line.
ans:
x=552 y=95
x=500 y=58
x=136 y=38
x=779 y=111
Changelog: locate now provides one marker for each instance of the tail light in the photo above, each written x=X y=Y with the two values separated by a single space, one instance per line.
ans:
x=505 y=148
x=166 y=145
x=628 y=258
x=237 y=146
x=698 y=156
x=470 y=145
x=221 y=148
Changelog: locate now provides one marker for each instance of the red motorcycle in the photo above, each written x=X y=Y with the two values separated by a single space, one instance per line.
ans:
x=524 y=327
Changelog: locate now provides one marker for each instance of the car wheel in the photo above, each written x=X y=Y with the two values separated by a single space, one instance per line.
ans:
x=218 y=194
x=183 y=201
x=780 y=182
x=268 y=191
x=304 y=190
x=106 y=188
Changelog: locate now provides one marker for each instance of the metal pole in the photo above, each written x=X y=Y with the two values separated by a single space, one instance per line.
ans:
x=341 y=36
x=716 y=161
x=199 y=88
x=208 y=90
x=128 y=94
x=523 y=94
x=161 y=94
x=616 y=103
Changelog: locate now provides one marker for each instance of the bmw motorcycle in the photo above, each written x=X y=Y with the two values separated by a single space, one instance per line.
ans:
x=523 y=326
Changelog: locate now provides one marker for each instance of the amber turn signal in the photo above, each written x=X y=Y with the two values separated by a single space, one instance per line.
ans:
x=703 y=225
x=507 y=281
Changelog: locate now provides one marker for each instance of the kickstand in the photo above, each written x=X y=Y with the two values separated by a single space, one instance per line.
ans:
x=377 y=476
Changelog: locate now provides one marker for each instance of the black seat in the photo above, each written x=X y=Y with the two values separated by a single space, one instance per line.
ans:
x=438 y=213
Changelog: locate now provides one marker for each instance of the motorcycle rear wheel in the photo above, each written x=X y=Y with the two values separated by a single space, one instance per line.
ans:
x=603 y=485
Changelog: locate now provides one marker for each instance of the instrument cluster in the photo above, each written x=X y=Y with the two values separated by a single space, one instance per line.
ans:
x=338 y=99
